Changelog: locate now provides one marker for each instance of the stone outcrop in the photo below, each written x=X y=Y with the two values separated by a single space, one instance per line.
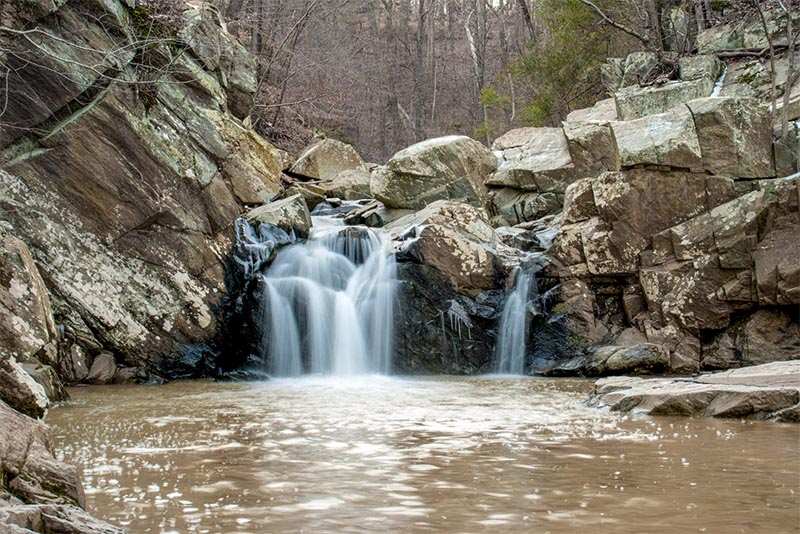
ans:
x=734 y=136
x=450 y=237
x=448 y=301
x=684 y=246
x=447 y=168
x=769 y=391
x=124 y=176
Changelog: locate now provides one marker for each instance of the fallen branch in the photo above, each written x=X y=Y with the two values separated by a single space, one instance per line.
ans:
x=734 y=53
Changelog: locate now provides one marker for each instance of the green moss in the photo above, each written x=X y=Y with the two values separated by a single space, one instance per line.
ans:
x=576 y=341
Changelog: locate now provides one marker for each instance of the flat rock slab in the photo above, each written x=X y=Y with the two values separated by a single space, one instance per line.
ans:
x=769 y=391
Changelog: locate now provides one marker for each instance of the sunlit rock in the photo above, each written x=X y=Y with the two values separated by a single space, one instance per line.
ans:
x=447 y=168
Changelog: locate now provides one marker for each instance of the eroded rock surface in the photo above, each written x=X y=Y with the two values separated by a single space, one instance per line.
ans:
x=769 y=391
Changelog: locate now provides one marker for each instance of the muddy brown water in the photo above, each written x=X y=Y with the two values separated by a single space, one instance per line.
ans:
x=418 y=455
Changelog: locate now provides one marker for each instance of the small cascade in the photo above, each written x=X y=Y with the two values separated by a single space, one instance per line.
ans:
x=328 y=303
x=511 y=342
x=720 y=83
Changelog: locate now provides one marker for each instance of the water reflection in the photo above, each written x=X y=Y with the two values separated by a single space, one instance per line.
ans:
x=381 y=454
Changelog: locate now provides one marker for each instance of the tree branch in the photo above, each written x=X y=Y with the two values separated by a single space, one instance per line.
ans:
x=611 y=22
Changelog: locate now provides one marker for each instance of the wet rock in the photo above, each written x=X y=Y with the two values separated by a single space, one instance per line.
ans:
x=310 y=193
x=73 y=367
x=760 y=391
x=326 y=159
x=450 y=237
x=665 y=139
x=103 y=369
x=369 y=215
x=734 y=136
x=439 y=330
x=644 y=358
x=447 y=168
x=288 y=214
x=126 y=375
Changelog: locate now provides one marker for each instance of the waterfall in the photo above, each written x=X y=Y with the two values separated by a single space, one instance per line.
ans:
x=511 y=343
x=328 y=303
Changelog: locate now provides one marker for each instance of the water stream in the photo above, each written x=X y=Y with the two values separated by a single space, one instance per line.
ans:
x=512 y=336
x=328 y=303
x=423 y=455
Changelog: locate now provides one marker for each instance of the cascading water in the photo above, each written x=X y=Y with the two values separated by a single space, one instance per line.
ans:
x=512 y=341
x=328 y=303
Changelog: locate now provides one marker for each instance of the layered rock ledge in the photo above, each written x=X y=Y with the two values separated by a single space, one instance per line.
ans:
x=768 y=391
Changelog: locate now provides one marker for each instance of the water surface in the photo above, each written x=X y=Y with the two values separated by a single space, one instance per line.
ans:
x=397 y=455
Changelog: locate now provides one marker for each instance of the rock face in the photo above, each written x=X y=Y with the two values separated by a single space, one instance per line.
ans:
x=448 y=301
x=770 y=391
x=450 y=237
x=734 y=136
x=446 y=168
x=666 y=139
x=126 y=191
x=26 y=319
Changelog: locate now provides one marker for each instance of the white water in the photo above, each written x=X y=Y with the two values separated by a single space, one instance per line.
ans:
x=720 y=83
x=511 y=343
x=328 y=303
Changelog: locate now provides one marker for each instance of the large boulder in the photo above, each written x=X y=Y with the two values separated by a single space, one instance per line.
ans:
x=638 y=102
x=446 y=168
x=533 y=159
x=452 y=238
x=592 y=146
x=666 y=139
x=289 y=214
x=517 y=206
x=641 y=359
x=326 y=159
x=349 y=185
x=735 y=136
x=602 y=111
